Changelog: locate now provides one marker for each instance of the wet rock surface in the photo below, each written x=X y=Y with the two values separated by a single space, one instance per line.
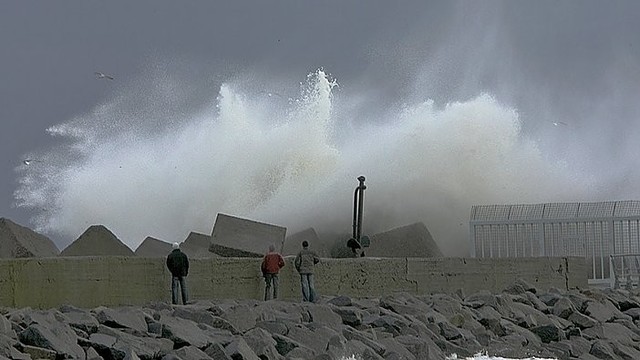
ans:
x=520 y=322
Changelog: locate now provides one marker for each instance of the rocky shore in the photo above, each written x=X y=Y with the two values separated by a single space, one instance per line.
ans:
x=522 y=321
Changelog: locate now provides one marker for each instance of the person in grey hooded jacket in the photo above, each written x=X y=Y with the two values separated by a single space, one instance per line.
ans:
x=305 y=262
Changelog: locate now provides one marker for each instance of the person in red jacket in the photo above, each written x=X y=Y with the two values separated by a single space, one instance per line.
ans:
x=271 y=265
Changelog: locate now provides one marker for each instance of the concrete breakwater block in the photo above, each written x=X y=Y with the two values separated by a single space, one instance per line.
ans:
x=196 y=246
x=230 y=232
x=97 y=240
x=17 y=241
x=153 y=248
x=293 y=243
x=407 y=241
x=325 y=244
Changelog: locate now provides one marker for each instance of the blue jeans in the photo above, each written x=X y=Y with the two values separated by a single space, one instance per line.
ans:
x=271 y=281
x=182 y=283
x=308 y=291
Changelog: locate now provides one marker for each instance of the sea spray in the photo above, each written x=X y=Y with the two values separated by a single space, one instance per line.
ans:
x=147 y=171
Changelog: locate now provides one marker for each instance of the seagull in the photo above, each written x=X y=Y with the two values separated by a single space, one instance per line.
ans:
x=270 y=94
x=558 y=123
x=29 y=161
x=103 y=76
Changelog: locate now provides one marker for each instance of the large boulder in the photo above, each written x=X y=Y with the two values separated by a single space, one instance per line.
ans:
x=17 y=241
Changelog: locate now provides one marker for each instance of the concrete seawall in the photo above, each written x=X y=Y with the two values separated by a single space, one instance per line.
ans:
x=114 y=281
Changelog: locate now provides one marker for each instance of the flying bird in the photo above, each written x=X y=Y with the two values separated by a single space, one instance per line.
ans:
x=558 y=123
x=103 y=76
x=29 y=161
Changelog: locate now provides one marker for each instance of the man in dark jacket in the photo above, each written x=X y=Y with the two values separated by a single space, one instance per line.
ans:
x=178 y=264
x=305 y=262
x=271 y=265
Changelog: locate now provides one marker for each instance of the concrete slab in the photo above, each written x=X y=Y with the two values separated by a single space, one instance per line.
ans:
x=196 y=246
x=225 y=251
x=245 y=235
x=407 y=241
x=97 y=240
x=17 y=241
x=153 y=248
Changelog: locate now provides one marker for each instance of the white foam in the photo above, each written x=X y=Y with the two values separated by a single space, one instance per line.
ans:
x=487 y=357
x=146 y=171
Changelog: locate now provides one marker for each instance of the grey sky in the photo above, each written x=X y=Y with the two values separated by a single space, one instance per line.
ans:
x=572 y=61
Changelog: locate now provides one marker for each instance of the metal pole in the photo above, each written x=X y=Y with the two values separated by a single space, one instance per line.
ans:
x=355 y=213
x=361 y=188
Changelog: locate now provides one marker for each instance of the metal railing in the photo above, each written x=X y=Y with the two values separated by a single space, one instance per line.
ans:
x=625 y=270
x=592 y=230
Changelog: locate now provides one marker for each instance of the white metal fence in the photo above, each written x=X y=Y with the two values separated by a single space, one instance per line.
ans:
x=592 y=230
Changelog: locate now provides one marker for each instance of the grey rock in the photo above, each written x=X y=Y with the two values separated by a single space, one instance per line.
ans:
x=421 y=348
x=515 y=289
x=550 y=298
x=624 y=351
x=634 y=313
x=396 y=350
x=190 y=353
x=6 y=328
x=195 y=314
x=323 y=314
x=241 y=317
x=144 y=347
x=92 y=354
x=273 y=327
x=302 y=353
x=262 y=343
x=537 y=303
x=579 y=300
x=38 y=352
x=341 y=300
x=602 y=350
x=404 y=304
x=604 y=311
x=360 y=350
x=239 y=349
x=351 y=334
x=482 y=298
x=622 y=299
x=82 y=320
x=612 y=332
x=124 y=317
x=285 y=344
x=547 y=333
x=448 y=331
x=563 y=308
x=17 y=355
x=184 y=332
x=582 y=321
x=216 y=351
x=51 y=334
x=308 y=338
x=131 y=355
x=350 y=315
